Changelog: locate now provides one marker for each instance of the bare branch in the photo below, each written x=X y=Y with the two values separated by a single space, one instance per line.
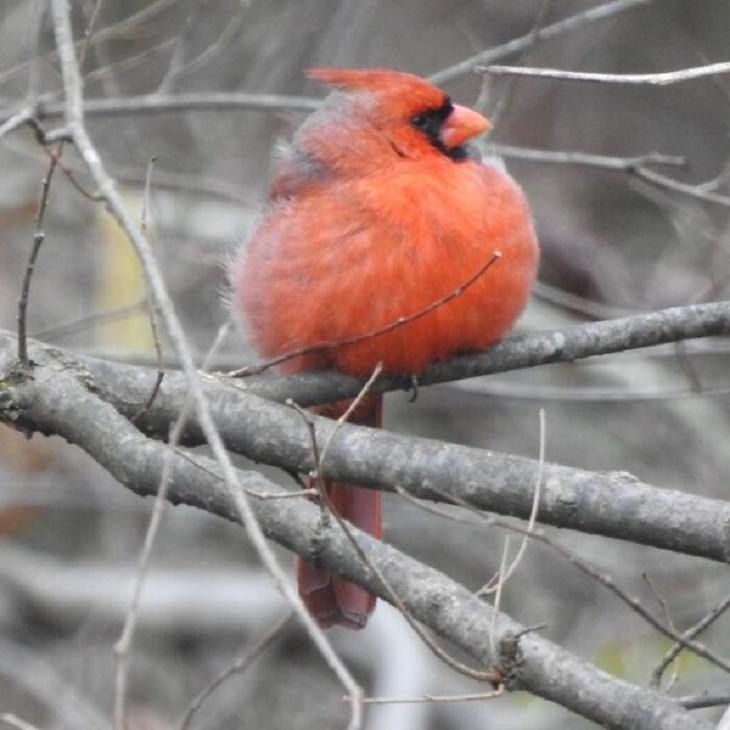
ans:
x=123 y=647
x=529 y=350
x=475 y=697
x=505 y=575
x=55 y=402
x=240 y=665
x=166 y=103
x=377 y=331
x=612 y=504
x=608 y=582
x=699 y=702
x=58 y=696
x=584 y=159
x=579 y=20
x=635 y=166
x=122 y=28
x=14 y=721
x=79 y=324
x=699 y=191
x=16 y=120
x=179 y=67
x=505 y=97
x=74 y=121
x=689 y=634
x=38 y=238
x=489 y=675
x=651 y=79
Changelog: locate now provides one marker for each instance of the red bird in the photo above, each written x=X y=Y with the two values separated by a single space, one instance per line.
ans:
x=378 y=210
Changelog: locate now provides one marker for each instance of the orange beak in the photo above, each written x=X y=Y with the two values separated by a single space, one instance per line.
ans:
x=462 y=124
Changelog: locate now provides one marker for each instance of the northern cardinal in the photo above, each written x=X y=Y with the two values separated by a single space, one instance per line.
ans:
x=378 y=210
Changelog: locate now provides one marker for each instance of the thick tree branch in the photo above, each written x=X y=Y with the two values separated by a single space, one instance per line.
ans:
x=53 y=400
x=521 y=351
x=614 y=504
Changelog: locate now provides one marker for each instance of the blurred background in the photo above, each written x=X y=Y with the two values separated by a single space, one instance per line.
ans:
x=612 y=244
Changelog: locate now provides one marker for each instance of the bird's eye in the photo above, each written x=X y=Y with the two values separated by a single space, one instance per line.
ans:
x=431 y=120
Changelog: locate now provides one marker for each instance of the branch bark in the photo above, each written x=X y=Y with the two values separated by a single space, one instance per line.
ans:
x=612 y=504
x=55 y=400
x=566 y=345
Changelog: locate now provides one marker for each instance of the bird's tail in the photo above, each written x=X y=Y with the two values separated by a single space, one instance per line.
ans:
x=330 y=599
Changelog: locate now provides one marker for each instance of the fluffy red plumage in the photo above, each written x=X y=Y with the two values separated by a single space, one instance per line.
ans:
x=377 y=210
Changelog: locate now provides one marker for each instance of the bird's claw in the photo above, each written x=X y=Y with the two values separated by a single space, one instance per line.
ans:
x=413 y=388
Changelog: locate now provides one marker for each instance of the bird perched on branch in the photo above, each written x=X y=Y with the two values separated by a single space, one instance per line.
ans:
x=383 y=241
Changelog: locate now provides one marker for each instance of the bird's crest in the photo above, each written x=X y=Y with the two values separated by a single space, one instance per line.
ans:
x=370 y=79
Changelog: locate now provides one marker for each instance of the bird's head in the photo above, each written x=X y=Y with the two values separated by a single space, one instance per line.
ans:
x=415 y=118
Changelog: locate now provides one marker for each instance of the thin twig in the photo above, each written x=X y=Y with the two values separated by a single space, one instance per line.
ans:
x=718 y=181
x=191 y=184
x=635 y=166
x=325 y=503
x=242 y=662
x=475 y=697
x=690 y=633
x=696 y=191
x=123 y=647
x=589 y=308
x=122 y=28
x=498 y=596
x=566 y=25
x=633 y=603
x=55 y=154
x=35 y=32
x=178 y=67
x=177 y=57
x=585 y=159
x=38 y=235
x=16 y=120
x=724 y=723
x=116 y=68
x=317 y=636
x=589 y=394
x=89 y=33
x=256 y=369
x=87 y=150
x=229 y=34
x=393 y=597
x=516 y=352
x=700 y=702
x=487 y=589
x=193 y=101
x=146 y=206
x=38 y=238
x=263 y=496
x=79 y=324
x=607 y=581
x=489 y=676
x=504 y=99
x=652 y=79
x=670 y=622
x=345 y=417
x=14 y=721
x=504 y=573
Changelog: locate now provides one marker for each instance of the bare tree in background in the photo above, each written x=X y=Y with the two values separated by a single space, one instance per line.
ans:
x=552 y=532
